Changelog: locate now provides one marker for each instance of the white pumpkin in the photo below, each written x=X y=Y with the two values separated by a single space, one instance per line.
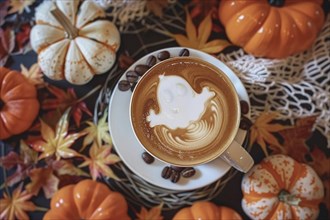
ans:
x=281 y=188
x=72 y=42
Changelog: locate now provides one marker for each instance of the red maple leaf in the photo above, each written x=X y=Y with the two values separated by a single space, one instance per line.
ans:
x=63 y=100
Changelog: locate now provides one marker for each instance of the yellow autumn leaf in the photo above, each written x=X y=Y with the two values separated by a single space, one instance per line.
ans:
x=99 y=161
x=57 y=142
x=153 y=214
x=97 y=132
x=197 y=38
x=16 y=205
x=261 y=131
x=33 y=75
x=19 y=5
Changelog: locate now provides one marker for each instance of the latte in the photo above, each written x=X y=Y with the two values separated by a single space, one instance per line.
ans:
x=185 y=111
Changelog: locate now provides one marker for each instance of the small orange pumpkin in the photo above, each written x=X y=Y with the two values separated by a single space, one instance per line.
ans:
x=87 y=199
x=272 y=28
x=203 y=210
x=19 y=105
x=281 y=188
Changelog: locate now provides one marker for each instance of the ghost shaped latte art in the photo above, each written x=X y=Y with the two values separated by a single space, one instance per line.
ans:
x=179 y=104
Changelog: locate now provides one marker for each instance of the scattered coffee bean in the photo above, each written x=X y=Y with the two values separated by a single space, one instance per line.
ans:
x=141 y=69
x=132 y=76
x=167 y=172
x=124 y=85
x=179 y=169
x=188 y=172
x=163 y=55
x=244 y=107
x=175 y=176
x=184 y=53
x=245 y=123
x=147 y=158
x=151 y=61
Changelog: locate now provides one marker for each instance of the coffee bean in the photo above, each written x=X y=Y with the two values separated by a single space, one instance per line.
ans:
x=132 y=76
x=188 y=172
x=147 y=158
x=184 y=53
x=175 y=176
x=166 y=172
x=245 y=123
x=179 y=169
x=163 y=55
x=124 y=85
x=244 y=107
x=151 y=61
x=141 y=69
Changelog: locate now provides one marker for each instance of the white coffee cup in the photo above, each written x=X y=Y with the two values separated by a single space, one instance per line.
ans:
x=186 y=112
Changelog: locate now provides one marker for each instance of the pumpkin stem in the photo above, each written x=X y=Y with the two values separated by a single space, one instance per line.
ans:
x=71 y=30
x=276 y=3
x=2 y=104
x=286 y=197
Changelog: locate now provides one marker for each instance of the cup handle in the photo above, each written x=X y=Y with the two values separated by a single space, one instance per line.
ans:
x=238 y=157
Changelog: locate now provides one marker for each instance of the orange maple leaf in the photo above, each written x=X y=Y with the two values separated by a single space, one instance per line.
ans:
x=16 y=205
x=153 y=214
x=197 y=38
x=294 y=139
x=99 y=161
x=262 y=129
x=57 y=142
x=45 y=179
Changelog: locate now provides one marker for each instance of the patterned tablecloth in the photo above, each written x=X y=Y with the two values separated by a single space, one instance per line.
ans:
x=290 y=109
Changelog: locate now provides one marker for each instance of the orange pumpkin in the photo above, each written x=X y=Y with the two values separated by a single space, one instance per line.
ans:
x=203 y=210
x=87 y=199
x=272 y=28
x=281 y=188
x=18 y=103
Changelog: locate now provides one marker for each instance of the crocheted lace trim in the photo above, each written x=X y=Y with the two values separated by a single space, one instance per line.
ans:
x=295 y=87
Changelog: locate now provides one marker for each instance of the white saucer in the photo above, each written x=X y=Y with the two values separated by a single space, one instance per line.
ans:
x=130 y=150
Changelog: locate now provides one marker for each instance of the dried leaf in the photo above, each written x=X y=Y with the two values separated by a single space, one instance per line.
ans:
x=197 y=38
x=56 y=142
x=157 y=6
x=11 y=160
x=99 y=161
x=294 y=144
x=19 y=175
x=153 y=214
x=3 y=11
x=201 y=8
x=23 y=162
x=16 y=205
x=23 y=39
x=65 y=100
x=19 y=6
x=33 y=75
x=7 y=44
x=66 y=167
x=262 y=129
x=45 y=179
x=97 y=133
x=321 y=164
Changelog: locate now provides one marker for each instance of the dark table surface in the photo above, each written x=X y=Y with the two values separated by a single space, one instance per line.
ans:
x=137 y=39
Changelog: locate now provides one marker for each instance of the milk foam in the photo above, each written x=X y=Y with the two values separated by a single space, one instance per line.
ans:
x=179 y=104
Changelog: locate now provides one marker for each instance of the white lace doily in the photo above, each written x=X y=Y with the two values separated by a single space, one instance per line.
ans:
x=295 y=87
